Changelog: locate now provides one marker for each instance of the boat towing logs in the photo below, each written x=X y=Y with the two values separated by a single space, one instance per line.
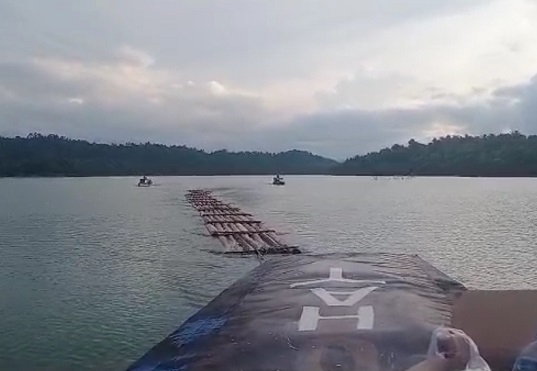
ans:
x=236 y=230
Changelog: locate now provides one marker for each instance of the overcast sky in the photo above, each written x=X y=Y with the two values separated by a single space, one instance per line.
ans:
x=337 y=78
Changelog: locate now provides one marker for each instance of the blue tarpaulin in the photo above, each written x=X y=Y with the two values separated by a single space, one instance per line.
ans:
x=305 y=313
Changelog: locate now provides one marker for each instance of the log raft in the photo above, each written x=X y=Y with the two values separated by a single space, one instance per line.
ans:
x=236 y=230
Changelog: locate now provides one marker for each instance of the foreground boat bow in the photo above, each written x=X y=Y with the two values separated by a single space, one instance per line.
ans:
x=303 y=312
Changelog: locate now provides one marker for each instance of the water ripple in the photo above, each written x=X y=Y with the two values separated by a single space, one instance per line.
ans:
x=95 y=271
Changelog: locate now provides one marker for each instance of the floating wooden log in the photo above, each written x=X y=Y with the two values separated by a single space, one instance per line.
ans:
x=234 y=221
x=236 y=230
x=230 y=232
x=223 y=214
x=219 y=208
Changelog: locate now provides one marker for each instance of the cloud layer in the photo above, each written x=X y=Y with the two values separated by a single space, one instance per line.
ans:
x=270 y=75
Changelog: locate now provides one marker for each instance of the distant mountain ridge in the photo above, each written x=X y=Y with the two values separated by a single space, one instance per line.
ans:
x=503 y=155
x=53 y=155
x=489 y=155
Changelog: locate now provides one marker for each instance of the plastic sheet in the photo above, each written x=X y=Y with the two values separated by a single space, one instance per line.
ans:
x=458 y=348
x=304 y=313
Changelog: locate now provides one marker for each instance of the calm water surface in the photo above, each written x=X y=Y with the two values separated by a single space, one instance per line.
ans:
x=95 y=271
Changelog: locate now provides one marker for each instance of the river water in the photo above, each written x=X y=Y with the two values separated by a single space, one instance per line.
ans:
x=95 y=271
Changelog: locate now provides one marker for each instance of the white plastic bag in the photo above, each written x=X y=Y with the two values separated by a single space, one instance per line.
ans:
x=453 y=344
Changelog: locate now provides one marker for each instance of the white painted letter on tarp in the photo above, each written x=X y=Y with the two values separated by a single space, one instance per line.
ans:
x=336 y=275
x=353 y=297
x=309 y=320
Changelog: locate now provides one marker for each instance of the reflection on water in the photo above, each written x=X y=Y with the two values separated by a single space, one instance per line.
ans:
x=95 y=271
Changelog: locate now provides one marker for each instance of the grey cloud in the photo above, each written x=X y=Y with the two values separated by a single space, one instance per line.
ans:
x=119 y=71
x=341 y=134
x=35 y=99
x=249 y=41
x=194 y=115
x=369 y=92
x=27 y=82
x=516 y=91
x=59 y=27
x=344 y=133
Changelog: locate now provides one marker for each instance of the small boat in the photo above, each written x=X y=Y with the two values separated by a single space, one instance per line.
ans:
x=278 y=180
x=145 y=182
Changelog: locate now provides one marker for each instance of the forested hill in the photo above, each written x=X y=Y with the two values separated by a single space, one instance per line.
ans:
x=511 y=154
x=51 y=155
x=501 y=155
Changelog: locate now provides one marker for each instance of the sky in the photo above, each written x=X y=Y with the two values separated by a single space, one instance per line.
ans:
x=337 y=78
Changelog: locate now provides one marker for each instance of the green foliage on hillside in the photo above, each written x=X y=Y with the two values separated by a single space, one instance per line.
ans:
x=52 y=155
x=501 y=155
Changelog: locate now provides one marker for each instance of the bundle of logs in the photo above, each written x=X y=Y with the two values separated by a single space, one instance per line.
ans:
x=236 y=230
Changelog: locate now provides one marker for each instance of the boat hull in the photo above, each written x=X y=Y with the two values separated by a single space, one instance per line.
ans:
x=303 y=312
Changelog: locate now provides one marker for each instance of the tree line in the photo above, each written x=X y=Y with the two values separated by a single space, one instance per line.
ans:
x=53 y=155
x=503 y=155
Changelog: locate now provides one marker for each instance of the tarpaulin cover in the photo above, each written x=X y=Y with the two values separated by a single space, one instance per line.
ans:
x=307 y=313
